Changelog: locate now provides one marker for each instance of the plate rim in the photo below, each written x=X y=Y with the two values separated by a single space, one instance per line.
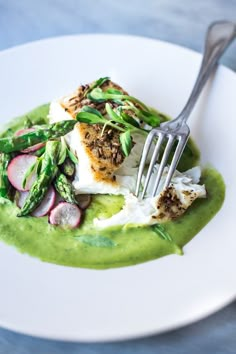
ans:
x=101 y=34
x=146 y=332
x=121 y=337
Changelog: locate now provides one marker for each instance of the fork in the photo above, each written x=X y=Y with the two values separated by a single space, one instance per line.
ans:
x=219 y=35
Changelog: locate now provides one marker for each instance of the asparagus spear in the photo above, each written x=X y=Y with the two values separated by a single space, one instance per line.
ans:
x=47 y=173
x=41 y=134
x=64 y=188
x=68 y=167
x=39 y=152
x=5 y=187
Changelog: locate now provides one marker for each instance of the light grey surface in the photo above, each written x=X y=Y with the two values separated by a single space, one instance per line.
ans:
x=214 y=335
x=181 y=21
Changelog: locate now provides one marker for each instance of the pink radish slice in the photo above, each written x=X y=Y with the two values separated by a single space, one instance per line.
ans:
x=21 y=198
x=83 y=200
x=31 y=148
x=65 y=214
x=17 y=169
x=45 y=206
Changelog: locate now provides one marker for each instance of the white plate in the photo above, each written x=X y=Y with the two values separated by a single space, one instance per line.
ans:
x=59 y=302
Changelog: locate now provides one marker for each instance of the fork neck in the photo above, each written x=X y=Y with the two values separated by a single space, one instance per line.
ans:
x=219 y=36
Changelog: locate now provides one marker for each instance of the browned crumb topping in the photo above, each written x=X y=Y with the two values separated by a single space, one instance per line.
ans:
x=169 y=206
x=102 y=146
x=103 y=150
x=77 y=101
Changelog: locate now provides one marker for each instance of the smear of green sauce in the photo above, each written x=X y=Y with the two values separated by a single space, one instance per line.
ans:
x=114 y=247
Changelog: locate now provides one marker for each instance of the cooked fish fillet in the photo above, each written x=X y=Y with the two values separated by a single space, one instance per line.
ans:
x=104 y=150
x=167 y=205
x=100 y=155
x=103 y=169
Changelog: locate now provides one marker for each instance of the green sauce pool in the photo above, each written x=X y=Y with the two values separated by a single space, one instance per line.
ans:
x=87 y=247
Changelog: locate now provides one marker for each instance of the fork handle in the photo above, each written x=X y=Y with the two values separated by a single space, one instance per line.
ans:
x=219 y=35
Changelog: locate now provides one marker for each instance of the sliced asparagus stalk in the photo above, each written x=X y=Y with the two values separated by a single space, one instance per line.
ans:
x=47 y=173
x=68 y=167
x=39 y=135
x=64 y=188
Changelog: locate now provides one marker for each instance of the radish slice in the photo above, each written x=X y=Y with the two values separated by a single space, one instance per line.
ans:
x=45 y=206
x=65 y=214
x=31 y=148
x=21 y=198
x=17 y=169
x=83 y=200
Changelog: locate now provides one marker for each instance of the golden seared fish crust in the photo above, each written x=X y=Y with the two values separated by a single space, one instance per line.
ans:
x=103 y=149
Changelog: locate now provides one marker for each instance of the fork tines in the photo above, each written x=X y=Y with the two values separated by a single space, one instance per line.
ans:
x=159 y=137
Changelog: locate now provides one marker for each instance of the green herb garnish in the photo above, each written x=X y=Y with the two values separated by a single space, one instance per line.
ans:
x=115 y=119
x=126 y=127
x=149 y=117
x=95 y=84
x=72 y=156
x=126 y=142
x=160 y=230
x=97 y=95
x=96 y=241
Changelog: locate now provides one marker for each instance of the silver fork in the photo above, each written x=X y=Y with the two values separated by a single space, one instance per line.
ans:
x=219 y=35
